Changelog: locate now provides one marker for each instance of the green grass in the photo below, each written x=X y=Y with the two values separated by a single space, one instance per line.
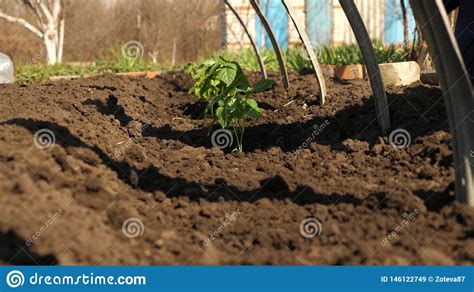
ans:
x=42 y=72
x=114 y=62
x=295 y=58
x=247 y=59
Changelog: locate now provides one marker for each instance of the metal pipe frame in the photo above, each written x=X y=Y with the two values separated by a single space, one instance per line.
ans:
x=309 y=49
x=276 y=47
x=457 y=90
x=252 y=42
x=373 y=69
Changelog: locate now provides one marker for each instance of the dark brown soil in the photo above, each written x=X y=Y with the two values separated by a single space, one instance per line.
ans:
x=136 y=148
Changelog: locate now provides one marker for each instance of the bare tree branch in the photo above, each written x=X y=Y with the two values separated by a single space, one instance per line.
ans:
x=56 y=9
x=61 y=39
x=46 y=11
x=22 y=22
x=51 y=25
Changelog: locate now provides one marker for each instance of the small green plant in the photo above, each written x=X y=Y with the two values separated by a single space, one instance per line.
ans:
x=223 y=85
x=340 y=55
x=389 y=54
x=246 y=58
x=297 y=59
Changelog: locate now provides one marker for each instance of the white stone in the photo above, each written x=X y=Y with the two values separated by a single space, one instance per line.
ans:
x=6 y=70
x=400 y=74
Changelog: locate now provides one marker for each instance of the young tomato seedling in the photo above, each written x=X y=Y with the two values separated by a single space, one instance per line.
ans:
x=223 y=85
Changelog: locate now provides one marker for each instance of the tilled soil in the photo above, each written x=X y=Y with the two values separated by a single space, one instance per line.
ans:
x=136 y=153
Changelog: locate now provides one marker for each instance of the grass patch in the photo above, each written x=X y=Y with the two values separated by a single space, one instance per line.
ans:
x=114 y=62
x=295 y=58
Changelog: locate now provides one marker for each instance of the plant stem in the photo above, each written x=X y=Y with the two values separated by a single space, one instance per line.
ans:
x=236 y=134
x=242 y=129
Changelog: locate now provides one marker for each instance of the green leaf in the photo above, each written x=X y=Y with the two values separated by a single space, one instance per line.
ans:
x=252 y=109
x=252 y=103
x=254 y=114
x=263 y=85
x=227 y=74
x=220 y=115
x=234 y=91
x=209 y=72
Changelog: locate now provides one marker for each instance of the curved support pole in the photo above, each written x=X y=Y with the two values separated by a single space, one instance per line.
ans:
x=373 y=69
x=457 y=90
x=276 y=47
x=309 y=48
x=252 y=42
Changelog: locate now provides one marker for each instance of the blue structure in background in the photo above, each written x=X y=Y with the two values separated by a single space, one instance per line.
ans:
x=393 y=32
x=278 y=18
x=319 y=21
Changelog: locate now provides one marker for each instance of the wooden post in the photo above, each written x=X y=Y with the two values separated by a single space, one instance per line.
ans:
x=309 y=48
x=276 y=47
x=457 y=90
x=139 y=27
x=252 y=41
x=173 y=57
x=373 y=69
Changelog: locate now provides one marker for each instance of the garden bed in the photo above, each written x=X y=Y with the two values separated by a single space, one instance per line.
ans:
x=137 y=148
